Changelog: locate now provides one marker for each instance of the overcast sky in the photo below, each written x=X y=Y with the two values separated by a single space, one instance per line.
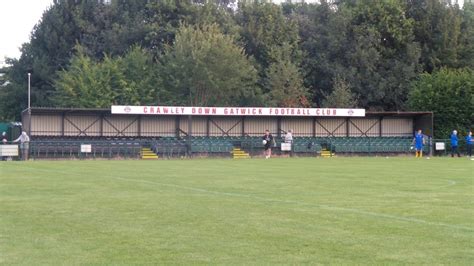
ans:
x=17 y=19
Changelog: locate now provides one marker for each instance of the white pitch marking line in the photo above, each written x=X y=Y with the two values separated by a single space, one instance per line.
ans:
x=326 y=207
x=451 y=183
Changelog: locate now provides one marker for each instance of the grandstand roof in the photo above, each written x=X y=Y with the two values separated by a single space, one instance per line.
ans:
x=397 y=113
x=107 y=111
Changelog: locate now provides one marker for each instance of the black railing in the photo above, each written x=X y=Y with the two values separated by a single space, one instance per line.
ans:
x=171 y=147
x=80 y=149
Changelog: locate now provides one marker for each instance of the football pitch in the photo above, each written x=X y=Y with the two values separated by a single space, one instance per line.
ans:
x=222 y=211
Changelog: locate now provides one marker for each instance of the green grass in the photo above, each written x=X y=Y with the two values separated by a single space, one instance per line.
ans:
x=286 y=211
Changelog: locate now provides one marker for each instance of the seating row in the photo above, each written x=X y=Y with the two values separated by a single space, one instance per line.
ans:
x=63 y=149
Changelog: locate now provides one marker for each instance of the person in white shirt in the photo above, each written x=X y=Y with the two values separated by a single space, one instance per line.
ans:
x=289 y=136
x=24 y=145
x=4 y=142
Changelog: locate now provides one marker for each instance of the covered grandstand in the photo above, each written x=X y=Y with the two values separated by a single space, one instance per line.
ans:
x=60 y=132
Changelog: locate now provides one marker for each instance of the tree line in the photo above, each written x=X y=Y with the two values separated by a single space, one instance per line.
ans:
x=379 y=55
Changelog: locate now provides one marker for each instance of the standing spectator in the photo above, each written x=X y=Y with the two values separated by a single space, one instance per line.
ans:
x=469 y=143
x=24 y=145
x=289 y=137
x=454 y=143
x=4 y=141
x=419 y=141
x=267 y=143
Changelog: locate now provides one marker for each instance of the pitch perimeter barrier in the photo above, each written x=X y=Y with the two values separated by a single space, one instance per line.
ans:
x=9 y=151
x=74 y=149
x=447 y=149
x=170 y=147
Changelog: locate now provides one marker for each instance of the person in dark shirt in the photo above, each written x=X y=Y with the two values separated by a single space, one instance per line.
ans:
x=454 y=143
x=267 y=143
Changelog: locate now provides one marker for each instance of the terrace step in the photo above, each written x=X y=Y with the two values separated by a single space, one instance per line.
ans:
x=148 y=154
x=326 y=154
x=238 y=153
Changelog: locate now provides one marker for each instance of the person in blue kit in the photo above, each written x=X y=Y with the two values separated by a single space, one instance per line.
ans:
x=469 y=143
x=419 y=141
x=454 y=143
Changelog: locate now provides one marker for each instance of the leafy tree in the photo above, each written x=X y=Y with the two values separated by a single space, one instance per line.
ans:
x=223 y=3
x=263 y=26
x=437 y=28
x=284 y=81
x=368 y=44
x=324 y=41
x=466 y=51
x=3 y=76
x=272 y=39
x=449 y=93
x=341 y=96
x=384 y=56
x=165 y=17
x=206 y=67
x=142 y=80
x=120 y=80
x=14 y=95
x=89 y=84
x=376 y=47
x=99 y=28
